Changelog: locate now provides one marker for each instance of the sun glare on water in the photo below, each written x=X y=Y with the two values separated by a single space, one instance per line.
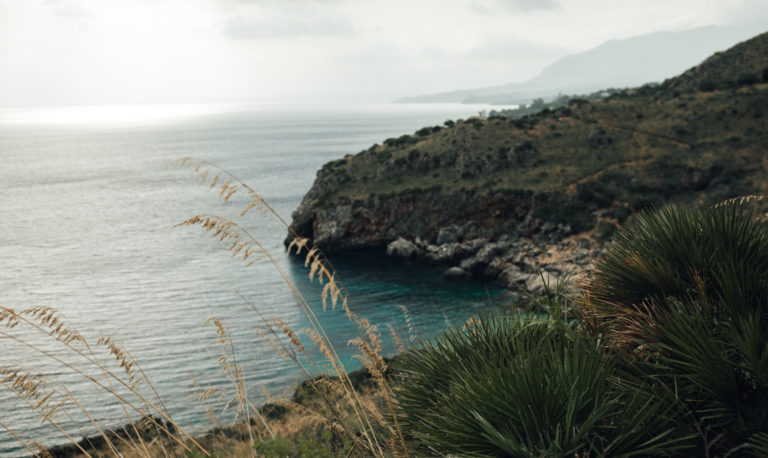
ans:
x=105 y=114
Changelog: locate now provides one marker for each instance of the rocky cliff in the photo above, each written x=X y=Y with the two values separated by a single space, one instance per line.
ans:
x=510 y=199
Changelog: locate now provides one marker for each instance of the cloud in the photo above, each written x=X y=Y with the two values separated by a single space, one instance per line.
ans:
x=514 y=48
x=284 y=4
x=67 y=9
x=530 y=5
x=508 y=47
x=743 y=12
x=515 y=6
x=251 y=27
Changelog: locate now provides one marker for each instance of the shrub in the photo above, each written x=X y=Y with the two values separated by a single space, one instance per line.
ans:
x=401 y=141
x=424 y=131
x=685 y=293
x=514 y=385
x=597 y=193
x=577 y=102
x=304 y=447
x=747 y=79
x=683 y=253
x=562 y=210
x=707 y=86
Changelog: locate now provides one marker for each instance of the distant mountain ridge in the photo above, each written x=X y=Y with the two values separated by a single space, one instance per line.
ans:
x=627 y=62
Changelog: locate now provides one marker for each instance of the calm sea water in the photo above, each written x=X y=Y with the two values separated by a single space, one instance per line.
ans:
x=87 y=214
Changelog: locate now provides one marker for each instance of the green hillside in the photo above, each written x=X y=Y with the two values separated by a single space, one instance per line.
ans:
x=570 y=166
x=742 y=65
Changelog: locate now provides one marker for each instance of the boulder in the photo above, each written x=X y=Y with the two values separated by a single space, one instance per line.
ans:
x=474 y=245
x=512 y=277
x=535 y=283
x=484 y=256
x=443 y=254
x=457 y=273
x=402 y=249
x=331 y=225
x=495 y=268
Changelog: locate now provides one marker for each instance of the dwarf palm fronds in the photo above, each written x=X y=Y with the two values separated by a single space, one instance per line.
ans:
x=715 y=366
x=718 y=252
x=514 y=385
x=685 y=293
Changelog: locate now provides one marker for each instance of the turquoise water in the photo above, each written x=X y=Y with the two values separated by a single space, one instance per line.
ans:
x=88 y=208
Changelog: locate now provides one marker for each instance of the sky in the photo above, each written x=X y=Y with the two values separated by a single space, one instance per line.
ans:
x=86 y=52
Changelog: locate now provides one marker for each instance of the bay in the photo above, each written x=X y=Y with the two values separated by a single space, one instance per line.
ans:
x=89 y=208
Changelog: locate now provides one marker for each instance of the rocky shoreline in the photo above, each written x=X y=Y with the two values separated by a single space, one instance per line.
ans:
x=510 y=246
x=518 y=264
x=517 y=239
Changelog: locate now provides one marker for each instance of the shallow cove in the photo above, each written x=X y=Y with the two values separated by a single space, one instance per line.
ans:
x=383 y=290
x=88 y=214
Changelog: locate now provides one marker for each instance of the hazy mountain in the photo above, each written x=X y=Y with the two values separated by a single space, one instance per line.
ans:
x=616 y=63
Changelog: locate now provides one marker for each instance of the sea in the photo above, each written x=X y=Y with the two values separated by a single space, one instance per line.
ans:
x=90 y=203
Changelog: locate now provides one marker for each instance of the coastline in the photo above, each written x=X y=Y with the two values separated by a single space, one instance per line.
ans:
x=304 y=395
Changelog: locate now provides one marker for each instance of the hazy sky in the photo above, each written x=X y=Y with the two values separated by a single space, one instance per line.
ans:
x=55 y=52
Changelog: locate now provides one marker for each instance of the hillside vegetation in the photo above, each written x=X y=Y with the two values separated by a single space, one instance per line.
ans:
x=743 y=64
x=693 y=139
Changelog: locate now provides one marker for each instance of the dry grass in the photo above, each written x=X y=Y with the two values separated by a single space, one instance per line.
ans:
x=243 y=245
x=129 y=386
x=363 y=421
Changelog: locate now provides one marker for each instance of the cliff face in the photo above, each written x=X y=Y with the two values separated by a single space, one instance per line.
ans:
x=558 y=182
x=374 y=222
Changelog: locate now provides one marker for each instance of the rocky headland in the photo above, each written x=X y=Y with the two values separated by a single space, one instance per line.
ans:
x=522 y=200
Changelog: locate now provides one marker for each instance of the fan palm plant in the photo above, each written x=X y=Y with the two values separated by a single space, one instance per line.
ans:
x=517 y=385
x=685 y=293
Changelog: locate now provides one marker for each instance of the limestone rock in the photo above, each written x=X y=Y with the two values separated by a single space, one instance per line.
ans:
x=401 y=249
x=444 y=254
x=457 y=273
x=484 y=256
x=512 y=277
x=535 y=283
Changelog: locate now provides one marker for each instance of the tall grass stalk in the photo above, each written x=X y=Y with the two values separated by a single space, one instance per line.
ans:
x=241 y=243
x=50 y=324
x=126 y=389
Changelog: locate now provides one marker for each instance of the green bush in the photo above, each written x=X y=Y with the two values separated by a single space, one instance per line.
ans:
x=680 y=252
x=668 y=355
x=707 y=86
x=303 y=447
x=516 y=385
x=685 y=291
x=577 y=102
x=747 y=79
x=424 y=131
x=401 y=141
